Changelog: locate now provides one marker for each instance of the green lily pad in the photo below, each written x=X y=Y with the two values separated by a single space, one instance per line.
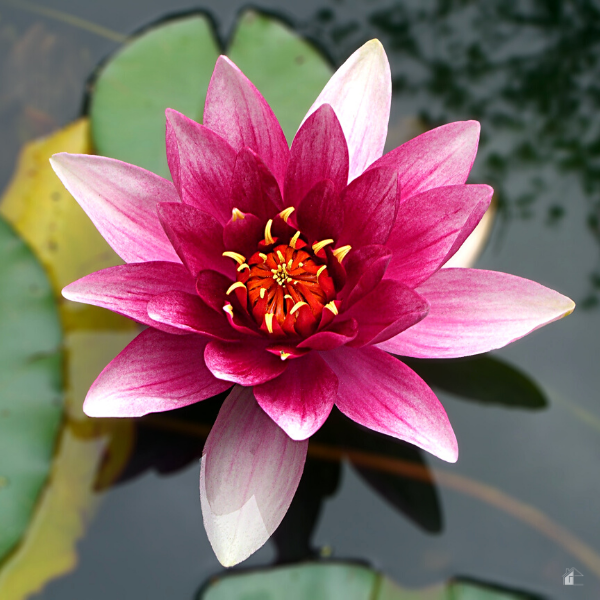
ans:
x=169 y=66
x=31 y=386
x=340 y=581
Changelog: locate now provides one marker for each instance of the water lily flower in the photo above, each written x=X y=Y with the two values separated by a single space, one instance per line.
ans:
x=291 y=274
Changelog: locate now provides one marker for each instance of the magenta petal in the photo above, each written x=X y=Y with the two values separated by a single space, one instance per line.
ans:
x=201 y=164
x=127 y=289
x=188 y=312
x=430 y=227
x=365 y=268
x=156 y=372
x=474 y=311
x=383 y=394
x=211 y=287
x=246 y=363
x=338 y=334
x=253 y=187
x=319 y=152
x=197 y=238
x=236 y=110
x=301 y=398
x=360 y=92
x=370 y=206
x=243 y=235
x=437 y=158
x=249 y=475
x=121 y=201
x=321 y=213
x=389 y=309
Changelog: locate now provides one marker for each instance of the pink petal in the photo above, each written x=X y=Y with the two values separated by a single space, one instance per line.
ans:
x=301 y=398
x=430 y=227
x=243 y=235
x=383 y=394
x=336 y=335
x=155 y=372
x=211 y=287
x=474 y=311
x=370 y=207
x=189 y=313
x=253 y=187
x=389 y=309
x=250 y=472
x=197 y=238
x=319 y=151
x=246 y=363
x=236 y=110
x=321 y=213
x=121 y=200
x=127 y=289
x=365 y=268
x=439 y=157
x=201 y=164
x=360 y=93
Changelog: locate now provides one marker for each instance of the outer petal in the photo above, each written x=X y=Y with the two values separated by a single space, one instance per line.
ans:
x=365 y=268
x=211 y=287
x=370 y=206
x=389 y=309
x=127 y=289
x=336 y=335
x=249 y=475
x=201 y=164
x=155 y=372
x=439 y=157
x=236 y=110
x=188 y=313
x=243 y=235
x=121 y=200
x=197 y=238
x=320 y=213
x=383 y=394
x=246 y=363
x=301 y=398
x=475 y=311
x=319 y=152
x=429 y=226
x=360 y=92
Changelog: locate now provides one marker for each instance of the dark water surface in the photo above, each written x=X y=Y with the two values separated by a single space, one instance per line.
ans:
x=529 y=72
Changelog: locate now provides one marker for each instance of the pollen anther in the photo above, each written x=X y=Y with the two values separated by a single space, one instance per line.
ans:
x=229 y=310
x=268 y=237
x=321 y=269
x=280 y=256
x=332 y=307
x=294 y=240
x=317 y=246
x=262 y=292
x=239 y=258
x=296 y=307
x=284 y=355
x=235 y=286
x=285 y=214
x=269 y=322
x=340 y=253
x=263 y=256
x=236 y=214
x=242 y=267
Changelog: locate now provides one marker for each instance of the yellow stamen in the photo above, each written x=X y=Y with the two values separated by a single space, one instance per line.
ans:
x=281 y=259
x=239 y=258
x=290 y=263
x=284 y=355
x=243 y=266
x=228 y=309
x=288 y=296
x=321 y=269
x=262 y=292
x=268 y=237
x=320 y=245
x=235 y=286
x=263 y=256
x=332 y=307
x=269 y=322
x=285 y=214
x=340 y=253
x=236 y=214
x=296 y=307
x=294 y=239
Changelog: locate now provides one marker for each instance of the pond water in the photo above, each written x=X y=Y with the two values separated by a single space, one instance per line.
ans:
x=520 y=506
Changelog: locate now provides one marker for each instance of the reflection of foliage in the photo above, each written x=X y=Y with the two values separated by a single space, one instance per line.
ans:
x=528 y=71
